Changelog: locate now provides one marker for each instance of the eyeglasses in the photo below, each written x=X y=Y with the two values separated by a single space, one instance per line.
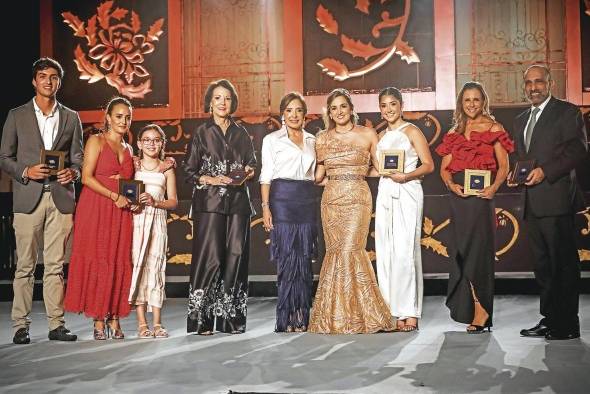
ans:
x=149 y=141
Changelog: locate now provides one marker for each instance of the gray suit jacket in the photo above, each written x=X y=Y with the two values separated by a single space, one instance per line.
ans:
x=21 y=147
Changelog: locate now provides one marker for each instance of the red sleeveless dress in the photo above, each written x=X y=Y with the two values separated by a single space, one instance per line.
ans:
x=99 y=276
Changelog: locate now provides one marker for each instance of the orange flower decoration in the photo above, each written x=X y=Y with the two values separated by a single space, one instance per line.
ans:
x=115 y=52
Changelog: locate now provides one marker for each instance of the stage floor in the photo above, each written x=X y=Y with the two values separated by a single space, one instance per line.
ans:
x=439 y=358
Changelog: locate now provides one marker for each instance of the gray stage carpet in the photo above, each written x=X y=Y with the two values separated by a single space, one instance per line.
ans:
x=440 y=358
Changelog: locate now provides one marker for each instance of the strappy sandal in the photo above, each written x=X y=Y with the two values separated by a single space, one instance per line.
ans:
x=475 y=329
x=99 y=335
x=160 y=332
x=206 y=333
x=407 y=327
x=115 y=333
x=145 y=333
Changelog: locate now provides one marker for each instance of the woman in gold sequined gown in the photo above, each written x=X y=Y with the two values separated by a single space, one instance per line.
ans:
x=347 y=300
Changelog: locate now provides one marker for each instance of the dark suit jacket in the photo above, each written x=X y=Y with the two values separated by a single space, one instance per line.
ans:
x=21 y=147
x=558 y=145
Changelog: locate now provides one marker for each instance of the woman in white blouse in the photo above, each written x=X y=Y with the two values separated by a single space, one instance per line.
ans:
x=289 y=199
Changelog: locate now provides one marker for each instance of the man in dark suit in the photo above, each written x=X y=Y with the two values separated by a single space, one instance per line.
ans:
x=43 y=203
x=552 y=133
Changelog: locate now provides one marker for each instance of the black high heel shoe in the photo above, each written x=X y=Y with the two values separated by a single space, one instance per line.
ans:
x=478 y=329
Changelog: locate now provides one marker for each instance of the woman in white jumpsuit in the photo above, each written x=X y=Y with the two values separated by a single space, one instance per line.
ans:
x=398 y=215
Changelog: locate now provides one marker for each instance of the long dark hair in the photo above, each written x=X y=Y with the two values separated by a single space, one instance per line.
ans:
x=459 y=117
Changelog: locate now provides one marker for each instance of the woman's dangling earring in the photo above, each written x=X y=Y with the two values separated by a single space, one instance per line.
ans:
x=283 y=120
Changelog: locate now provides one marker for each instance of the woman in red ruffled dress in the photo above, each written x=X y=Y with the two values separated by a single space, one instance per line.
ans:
x=476 y=141
x=100 y=270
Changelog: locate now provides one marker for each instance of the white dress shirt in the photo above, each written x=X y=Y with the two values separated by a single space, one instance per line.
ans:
x=541 y=108
x=48 y=125
x=282 y=158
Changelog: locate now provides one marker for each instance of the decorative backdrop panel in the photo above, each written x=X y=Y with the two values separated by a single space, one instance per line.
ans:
x=240 y=40
x=115 y=47
x=365 y=45
x=112 y=48
x=497 y=40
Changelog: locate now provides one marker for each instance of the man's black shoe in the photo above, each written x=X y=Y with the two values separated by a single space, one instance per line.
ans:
x=21 y=336
x=540 y=330
x=561 y=335
x=62 y=334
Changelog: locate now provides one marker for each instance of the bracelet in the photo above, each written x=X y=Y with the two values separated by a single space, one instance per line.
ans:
x=116 y=194
x=264 y=205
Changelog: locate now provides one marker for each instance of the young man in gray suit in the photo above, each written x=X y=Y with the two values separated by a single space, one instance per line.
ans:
x=43 y=204
x=552 y=133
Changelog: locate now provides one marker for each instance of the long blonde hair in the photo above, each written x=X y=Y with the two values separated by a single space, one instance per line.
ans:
x=459 y=117
x=338 y=92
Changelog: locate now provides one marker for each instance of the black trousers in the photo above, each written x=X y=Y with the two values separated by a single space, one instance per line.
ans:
x=557 y=269
x=219 y=273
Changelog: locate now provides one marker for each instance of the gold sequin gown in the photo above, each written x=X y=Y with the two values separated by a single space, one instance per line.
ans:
x=347 y=300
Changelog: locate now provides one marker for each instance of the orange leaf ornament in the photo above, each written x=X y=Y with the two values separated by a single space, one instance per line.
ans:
x=91 y=31
x=103 y=14
x=155 y=30
x=362 y=6
x=406 y=52
x=88 y=71
x=135 y=22
x=75 y=23
x=119 y=13
x=334 y=68
x=357 y=48
x=326 y=20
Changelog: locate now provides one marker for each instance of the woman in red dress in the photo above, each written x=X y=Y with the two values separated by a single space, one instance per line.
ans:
x=476 y=141
x=100 y=270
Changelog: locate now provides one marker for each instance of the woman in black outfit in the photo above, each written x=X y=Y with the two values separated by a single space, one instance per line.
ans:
x=221 y=212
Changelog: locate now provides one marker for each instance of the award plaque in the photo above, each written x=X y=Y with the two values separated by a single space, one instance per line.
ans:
x=53 y=159
x=391 y=161
x=521 y=171
x=131 y=189
x=476 y=181
x=238 y=177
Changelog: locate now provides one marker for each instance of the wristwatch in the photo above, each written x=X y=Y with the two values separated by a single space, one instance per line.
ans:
x=24 y=176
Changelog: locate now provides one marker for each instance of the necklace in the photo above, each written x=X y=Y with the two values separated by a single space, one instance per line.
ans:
x=344 y=132
x=149 y=169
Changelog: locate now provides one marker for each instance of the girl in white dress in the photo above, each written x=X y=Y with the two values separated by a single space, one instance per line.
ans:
x=150 y=236
x=398 y=214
